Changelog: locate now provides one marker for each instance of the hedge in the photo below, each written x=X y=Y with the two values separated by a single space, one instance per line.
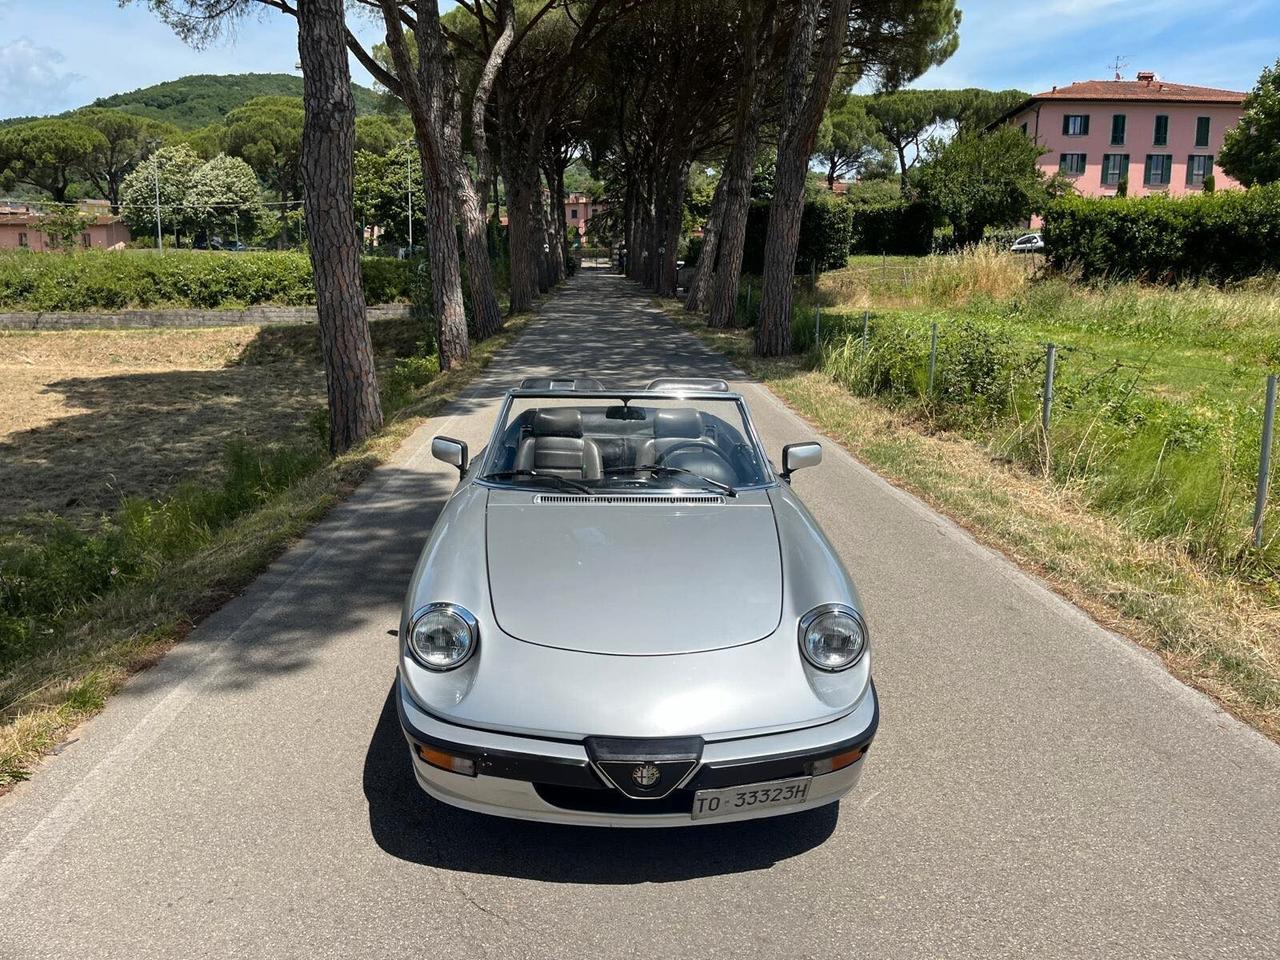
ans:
x=901 y=228
x=825 y=231
x=109 y=280
x=1229 y=235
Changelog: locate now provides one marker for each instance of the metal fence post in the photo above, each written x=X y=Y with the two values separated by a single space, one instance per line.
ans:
x=1046 y=410
x=866 y=323
x=933 y=357
x=1264 y=462
x=817 y=327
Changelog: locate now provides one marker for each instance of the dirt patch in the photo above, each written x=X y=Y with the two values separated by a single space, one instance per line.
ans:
x=90 y=417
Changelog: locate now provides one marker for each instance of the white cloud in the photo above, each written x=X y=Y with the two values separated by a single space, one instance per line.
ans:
x=32 y=80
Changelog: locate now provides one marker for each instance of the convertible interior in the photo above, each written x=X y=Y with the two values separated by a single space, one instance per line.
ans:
x=598 y=443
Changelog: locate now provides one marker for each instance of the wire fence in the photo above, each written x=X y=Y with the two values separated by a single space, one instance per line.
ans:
x=1183 y=448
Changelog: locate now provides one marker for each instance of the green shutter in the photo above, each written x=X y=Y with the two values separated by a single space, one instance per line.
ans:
x=1168 y=168
x=1117 y=129
x=1203 y=125
x=1146 y=173
x=1191 y=168
x=1124 y=166
x=1084 y=128
x=1066 y=125
x=1162 y=131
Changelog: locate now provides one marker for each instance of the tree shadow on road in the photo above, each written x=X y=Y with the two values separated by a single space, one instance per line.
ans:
x=408 y=824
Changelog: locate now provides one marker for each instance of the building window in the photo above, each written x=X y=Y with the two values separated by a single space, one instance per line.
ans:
x=1025 y=131
x=1159 y=169
x=1075 y=125
x=1072 y=164
x=573 y=213
x=1199 y=166
x=86 y=241
x=1115 y=167
x=1203 y=124
x=1162 y=131
x=1117 y=130
x=23 y=242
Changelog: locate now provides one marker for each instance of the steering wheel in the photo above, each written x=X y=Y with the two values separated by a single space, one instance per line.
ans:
x=720 y=465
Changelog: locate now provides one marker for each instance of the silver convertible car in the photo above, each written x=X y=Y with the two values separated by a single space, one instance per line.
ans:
x=625 y=617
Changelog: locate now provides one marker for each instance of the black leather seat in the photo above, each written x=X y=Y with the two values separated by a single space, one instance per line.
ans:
x=670 y=428
x=556 y=446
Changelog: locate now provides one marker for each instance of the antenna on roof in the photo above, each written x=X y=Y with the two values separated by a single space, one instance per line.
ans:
x=1119 y=65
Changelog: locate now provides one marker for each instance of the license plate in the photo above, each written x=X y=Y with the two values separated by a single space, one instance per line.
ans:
x=756 y=796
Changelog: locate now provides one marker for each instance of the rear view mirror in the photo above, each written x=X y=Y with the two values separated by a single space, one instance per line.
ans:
x=450 y=451
x=797 y=456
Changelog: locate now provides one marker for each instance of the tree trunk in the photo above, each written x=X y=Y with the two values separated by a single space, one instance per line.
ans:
x=486 y=316
x=523 y=266
x=803 y=106
x=427 y=94
x=700 y=287
x=668 y=227
x=758 y=28
x=328 y=168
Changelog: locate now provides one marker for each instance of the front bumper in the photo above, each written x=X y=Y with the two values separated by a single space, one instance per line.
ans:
x=555 y=781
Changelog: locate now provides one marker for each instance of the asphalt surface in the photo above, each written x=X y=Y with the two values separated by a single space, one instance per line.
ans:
x=1039 y=786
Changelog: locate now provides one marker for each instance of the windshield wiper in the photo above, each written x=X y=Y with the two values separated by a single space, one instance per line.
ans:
x=564 y=483
x=658 y=470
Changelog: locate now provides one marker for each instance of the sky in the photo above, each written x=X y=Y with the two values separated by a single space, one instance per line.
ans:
x=60 y=54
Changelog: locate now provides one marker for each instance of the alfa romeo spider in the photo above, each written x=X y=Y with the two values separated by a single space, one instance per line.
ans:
x=625 y=617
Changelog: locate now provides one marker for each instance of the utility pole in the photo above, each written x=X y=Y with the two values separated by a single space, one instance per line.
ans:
x=155 y=169
x=408 y=169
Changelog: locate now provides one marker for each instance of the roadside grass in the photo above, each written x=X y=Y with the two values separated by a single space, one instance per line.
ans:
x=83 y=607
x=1158 y=391
x=1213 y=630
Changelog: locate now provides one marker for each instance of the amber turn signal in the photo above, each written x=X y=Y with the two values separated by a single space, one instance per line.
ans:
x=838 y=762
x=447 y=761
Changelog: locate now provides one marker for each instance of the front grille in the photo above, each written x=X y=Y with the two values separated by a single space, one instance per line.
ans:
x=611 y=801
x=604 y=499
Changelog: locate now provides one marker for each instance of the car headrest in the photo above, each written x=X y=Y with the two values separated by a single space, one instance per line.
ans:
x=558 y=422
x=683 y=424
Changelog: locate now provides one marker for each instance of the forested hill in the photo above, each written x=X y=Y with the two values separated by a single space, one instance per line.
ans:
x=202 y=99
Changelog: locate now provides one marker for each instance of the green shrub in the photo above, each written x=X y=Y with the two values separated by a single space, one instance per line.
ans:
x=978 y=371
x=824 y=235
x=1219 y=236
x=899 y=228
x=103 y=280
x=49 y=575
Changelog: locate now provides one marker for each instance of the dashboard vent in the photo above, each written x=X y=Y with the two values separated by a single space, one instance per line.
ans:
x=605 y=499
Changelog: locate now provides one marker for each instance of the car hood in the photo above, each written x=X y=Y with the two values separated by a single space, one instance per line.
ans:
x=634 y=578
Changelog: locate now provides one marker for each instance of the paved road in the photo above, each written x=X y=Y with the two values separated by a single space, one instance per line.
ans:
x=1039 y=788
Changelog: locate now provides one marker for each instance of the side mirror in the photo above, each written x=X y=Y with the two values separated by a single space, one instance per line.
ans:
x=450 y=451
x=797 y=456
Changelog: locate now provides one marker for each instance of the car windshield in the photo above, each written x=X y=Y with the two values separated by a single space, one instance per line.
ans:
x=646 y=443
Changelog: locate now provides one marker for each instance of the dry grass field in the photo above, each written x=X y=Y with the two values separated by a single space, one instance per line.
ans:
x=90 y=417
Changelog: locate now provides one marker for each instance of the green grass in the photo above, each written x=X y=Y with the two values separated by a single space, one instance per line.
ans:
x=1158 y=391
x=1213 y=628
x=80 y=610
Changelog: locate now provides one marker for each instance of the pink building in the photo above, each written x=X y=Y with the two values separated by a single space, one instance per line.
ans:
x=1160 y=137
x=20 y=227
x=579 y=208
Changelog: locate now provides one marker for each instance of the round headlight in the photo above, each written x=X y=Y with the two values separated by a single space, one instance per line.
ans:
x=833 y=638
x=442 y=636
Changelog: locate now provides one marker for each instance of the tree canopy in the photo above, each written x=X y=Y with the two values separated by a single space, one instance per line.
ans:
x=1251 y=151
x=981 y=180
x=48 y=154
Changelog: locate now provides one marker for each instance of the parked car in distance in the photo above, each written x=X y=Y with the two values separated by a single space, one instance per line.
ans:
x=1029 y=243
x=625 y=617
